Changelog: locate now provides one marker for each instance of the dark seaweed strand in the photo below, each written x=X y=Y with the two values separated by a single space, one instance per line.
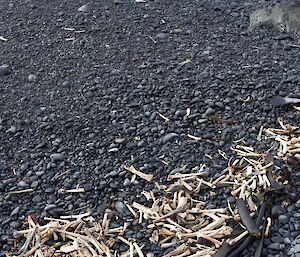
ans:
x=246 y=218
x=244 y=242
x=261 y=241
x=223 y=251
x=250 y=239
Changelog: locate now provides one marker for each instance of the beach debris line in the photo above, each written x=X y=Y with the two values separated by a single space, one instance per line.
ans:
x=178 y=212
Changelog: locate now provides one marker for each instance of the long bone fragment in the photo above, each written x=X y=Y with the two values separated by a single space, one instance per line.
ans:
x=133 y=170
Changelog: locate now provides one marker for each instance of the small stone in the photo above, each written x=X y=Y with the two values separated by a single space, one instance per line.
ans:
x=120 y=208
x=276 y=239
x=113 y=185
x=139 y=235
x=66 y=83
x=231 y=199
x=34 y=183
x=22 y=184
x=49 y=190
x=275 y=246
x=126 y=182
x=12 y=130
x=141 y=143
x=220 y=105
x=15 y=211
x=37 y=199
x=209 y=111
x=118 y=1
x=176 y=31
x=15 y=224
x=170 y=137
x=113 y=173
x=297 y=226
x=293 y=196
x=120 y=140
x=49 y=207
x=56 y=211
x=4 y=70
x=112 y=150
x=283 y=219
x=56 y=157
x=32 y=78
x=162 y=35
x=295 y=249
x=277 y=210
x=83 y=8
x=2 y=187
x=287 y=241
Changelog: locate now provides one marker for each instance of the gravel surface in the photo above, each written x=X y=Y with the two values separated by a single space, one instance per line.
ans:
x=87 y=87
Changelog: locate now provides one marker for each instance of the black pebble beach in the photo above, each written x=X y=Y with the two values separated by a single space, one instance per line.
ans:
x=87 y=87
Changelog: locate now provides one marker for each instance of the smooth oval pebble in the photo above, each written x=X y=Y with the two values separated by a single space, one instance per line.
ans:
x=15 y=211
x=12 y=130
x=83 y=8
x=49 y=207
x=170 y=137
x=287 y=241
x=120 y=208
x=209 y=111
x=275 y=246
x=22 y=184
x=126 y=182
x=57 y=157
x=277 y=210
x=283 y=219
x=15 y=224
x=32 y=78
x=34 y=183
x=4 y=70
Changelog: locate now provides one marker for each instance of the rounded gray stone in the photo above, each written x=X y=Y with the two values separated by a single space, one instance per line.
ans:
x=283 y=219
x=209 y=111
x=15 y=211
x=287 y=241
x=275 y=246
x=83 y=8
x=56 y=157
x=120 y=208
x=126 y=182
x=170 y=137
x=4 y=70
x=32 y=78
x=277 y=210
